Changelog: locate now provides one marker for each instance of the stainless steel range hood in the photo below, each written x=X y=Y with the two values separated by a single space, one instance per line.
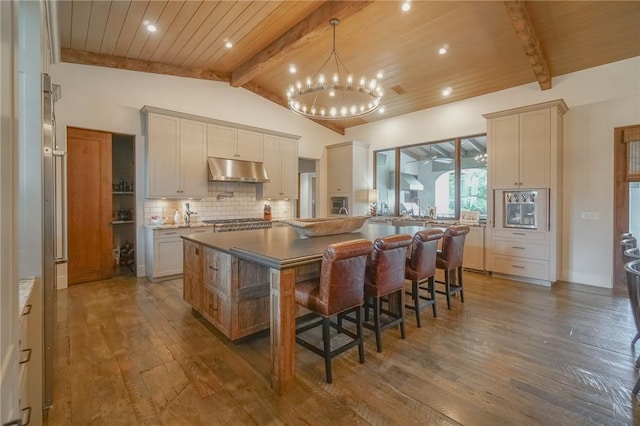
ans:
x=225 y=170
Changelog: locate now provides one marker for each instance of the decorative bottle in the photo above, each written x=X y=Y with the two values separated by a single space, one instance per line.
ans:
x=267 y=212
x=176 y=217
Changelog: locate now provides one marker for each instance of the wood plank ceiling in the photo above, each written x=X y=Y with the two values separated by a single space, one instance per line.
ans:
x=491 y=45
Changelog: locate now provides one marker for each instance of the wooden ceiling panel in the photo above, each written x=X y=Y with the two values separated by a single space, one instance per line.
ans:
x=115 y=21
x=97 y=25
x=80 y=15
x=151 y=15
x=149 y=42
x=132 y=23
x=485 y=53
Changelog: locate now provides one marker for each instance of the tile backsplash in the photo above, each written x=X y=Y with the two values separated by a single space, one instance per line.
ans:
x=220 y=204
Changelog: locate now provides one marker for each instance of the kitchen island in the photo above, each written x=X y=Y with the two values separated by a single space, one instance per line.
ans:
x=258 y=270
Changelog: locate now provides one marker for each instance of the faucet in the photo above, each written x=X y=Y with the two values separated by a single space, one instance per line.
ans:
x=346 y=212
x=187 y=214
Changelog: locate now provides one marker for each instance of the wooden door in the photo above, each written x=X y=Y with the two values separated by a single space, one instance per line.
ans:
x=89 y=205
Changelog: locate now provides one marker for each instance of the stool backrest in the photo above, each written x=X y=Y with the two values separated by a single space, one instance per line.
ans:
x=424 y=248
x=342 y=274
x=386 y=270
x=453 y=245
x=628 y=243
x=633 y=282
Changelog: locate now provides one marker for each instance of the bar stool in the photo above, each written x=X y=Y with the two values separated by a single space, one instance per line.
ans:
x=633 y=280
x=385 y=276
x=630 y=255
x=450 y=259
x=421 y=266
x=338 y=291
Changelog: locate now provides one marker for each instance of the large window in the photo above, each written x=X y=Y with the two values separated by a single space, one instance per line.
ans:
x=434 y=179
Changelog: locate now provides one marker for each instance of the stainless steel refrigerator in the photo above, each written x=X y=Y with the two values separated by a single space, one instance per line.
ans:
x=54 y=225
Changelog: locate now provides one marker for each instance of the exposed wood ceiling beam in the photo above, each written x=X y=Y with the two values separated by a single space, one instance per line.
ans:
x=295 y=38
x=477 y=146
x=439 y=150
x=90 y=58
x=526 y=33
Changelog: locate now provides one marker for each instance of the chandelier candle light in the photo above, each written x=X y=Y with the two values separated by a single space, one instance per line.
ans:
x=338 y=98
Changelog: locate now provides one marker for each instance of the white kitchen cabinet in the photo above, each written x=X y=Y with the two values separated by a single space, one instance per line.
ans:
x=176 y=156
x=164 y=254
x=525 y=152
x=348 y=175
x=473 y=256
x=234 y=143
x=281 y=164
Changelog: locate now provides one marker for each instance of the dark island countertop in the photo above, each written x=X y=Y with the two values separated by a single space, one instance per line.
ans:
x=281 y=247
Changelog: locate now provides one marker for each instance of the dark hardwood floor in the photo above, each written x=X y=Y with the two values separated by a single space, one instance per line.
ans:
x=131 y=352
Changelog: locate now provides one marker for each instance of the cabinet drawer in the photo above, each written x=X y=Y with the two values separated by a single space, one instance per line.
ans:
x=217 y=309
x=217 y=271
x=521 y=248
x=166 y=233
x=520 y=234
x=537 y=269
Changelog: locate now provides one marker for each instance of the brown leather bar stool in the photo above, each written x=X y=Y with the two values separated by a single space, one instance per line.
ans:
x=421 y=266
x=385 y=276
x=633 y=280
x=450 y=259
x=338 y=291
x=630 y=255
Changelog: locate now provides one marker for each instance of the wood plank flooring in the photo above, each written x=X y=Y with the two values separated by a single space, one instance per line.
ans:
x=132 y=352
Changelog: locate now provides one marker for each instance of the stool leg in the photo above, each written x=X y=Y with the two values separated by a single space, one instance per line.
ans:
x=635 y=339
x=460 y=284
x=416 y=301
x=376 y=322
x=447 y=284
x=359 y=333
x=636 y=388
x=326 y=339
x=432 y=290
x=401 y=311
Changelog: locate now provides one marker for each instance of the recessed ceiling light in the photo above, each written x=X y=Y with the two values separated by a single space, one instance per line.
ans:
x=292 y=69
x=442 y=50
x=446 y=91
x=380 y=74
x=381 y=110
x=149 y=26
x=406 y=6
x=228 y=44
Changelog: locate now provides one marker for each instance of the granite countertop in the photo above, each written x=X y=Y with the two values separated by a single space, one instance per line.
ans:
x=282 y=247
x=174 y=226
x=26 y=287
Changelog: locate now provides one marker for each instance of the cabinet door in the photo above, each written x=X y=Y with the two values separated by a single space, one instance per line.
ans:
x=193 y=158
x=505 y=152
x=163 y=156
x=249 y=147
x=217 y=275
x=535 y=151
x=273 y=166
x=473 y=256
x=221 y=141
x=192 y=275
x=340 y=170
x=167 y=256
x=289 y=168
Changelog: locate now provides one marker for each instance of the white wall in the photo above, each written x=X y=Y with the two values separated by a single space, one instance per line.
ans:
x=110 y=100
x=599 y=99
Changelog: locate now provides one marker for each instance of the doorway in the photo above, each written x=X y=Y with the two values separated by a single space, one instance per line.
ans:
x=626 y=194
x=101 y=200
x=306 y=206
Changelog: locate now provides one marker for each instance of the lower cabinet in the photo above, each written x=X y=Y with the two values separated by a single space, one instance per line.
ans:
x=521 y=253
x=473 y=257
x=232 y=294
x=164 y=255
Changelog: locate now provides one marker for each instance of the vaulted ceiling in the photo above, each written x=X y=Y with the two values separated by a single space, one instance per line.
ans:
x=491 y=45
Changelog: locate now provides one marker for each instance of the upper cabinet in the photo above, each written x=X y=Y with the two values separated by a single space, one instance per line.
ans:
x=524 y=146
x=281 y=163
x=233 y=143
x=176 y=156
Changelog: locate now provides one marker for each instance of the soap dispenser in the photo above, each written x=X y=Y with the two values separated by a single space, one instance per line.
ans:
x=176 y=217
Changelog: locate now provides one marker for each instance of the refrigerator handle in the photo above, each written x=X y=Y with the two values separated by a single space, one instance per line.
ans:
x=60 y=159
